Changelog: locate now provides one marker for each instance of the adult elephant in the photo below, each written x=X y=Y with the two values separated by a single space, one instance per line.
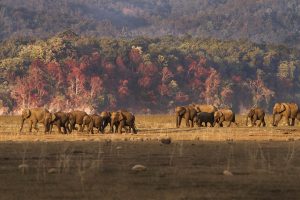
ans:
x=93 y=121
x=61 y=121
x=205 y=108
x=204 y=117
x=122 y=119
x=255 y=114
x=35 y=116
x=189 y=113
x=106 y=119
x=224 y=115
x=76 y=117
x=286 y=110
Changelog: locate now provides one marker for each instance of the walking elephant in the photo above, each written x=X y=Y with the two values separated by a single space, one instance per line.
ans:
x=255 y=114
x=224 y=115
x=93 y=121
x=286 y=110
x=204 y=117
x=121 y=119
x=61 y=121
x=188 y=113
x=35 y=116
x=76 y=117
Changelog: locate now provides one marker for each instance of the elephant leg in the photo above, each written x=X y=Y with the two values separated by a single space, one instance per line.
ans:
x=187 y=123
x=192 y=123
x=263 y=122
x=221 y=124
x=81 y=127
x=287 y=120
x=278 y=120
x=179 y=121
x=254 y=120
x=229 y=124
x=30 y=126
x=121 y=125
x=293 y=122
x=35 y=126
x=259 y=123
x=133 y=128
x=59 y=128
x=65 y=129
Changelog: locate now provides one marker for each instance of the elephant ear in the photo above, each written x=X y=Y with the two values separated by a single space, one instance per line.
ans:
x=218 y=114
x=182 y=111
x=26 y=113
x=283 y=107
x=53 y=117
x=122 y=116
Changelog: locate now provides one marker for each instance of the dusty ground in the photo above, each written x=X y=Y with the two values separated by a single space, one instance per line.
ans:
x=261 y=163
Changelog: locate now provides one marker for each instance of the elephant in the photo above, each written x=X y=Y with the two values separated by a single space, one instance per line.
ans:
x=106 y=118
x=93 y=121
x=61 y=120
x=255 y=114
x=188 y=113
x=37 y=115
x=121 y=119
x=76 y=117
x=205 y=108
x=205 y=117
x=224 y=115
x=286 y=110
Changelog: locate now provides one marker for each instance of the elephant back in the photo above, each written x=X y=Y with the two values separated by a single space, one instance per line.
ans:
x=205 y=108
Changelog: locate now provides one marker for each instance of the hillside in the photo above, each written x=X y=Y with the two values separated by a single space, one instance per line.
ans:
x=145 y=74
x=270 y=21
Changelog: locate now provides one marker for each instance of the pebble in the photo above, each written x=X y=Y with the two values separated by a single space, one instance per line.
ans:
x=52 y=171
x=227 y=173
x=23 y=166
x=165 y=140
x=138 y=168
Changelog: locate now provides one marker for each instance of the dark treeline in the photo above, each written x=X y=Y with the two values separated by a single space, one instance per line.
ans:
x=271 y=21
x=145 y=74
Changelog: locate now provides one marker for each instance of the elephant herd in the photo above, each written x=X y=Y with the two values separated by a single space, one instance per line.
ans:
x=123 y=120
x=199 y=114
x=118 y=120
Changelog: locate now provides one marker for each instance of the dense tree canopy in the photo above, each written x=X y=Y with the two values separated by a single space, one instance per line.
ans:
x=71 y=71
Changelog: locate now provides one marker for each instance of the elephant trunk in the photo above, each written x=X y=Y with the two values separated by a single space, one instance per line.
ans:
x=22 y=123
x=273 y=123
x=247 y=121
x=177 y=121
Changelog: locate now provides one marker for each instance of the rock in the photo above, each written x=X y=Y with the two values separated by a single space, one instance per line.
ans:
x=118 y=147
x=138 y=168
x=165 y=140
x=52 y=171
x=23 y=166
x=227 y=173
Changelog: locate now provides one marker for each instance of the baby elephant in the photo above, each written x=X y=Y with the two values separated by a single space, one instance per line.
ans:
x=206 y=118
x=256 y=114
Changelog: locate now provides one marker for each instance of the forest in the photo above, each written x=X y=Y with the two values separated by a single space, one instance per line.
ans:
x=144 y=74
x=268 y=21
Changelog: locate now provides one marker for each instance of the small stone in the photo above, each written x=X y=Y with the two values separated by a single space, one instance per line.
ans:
x=227 y=173
x=138 y=168
x=52 y=171
x=23 y=166
x=119 y=148
x=165 y=140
